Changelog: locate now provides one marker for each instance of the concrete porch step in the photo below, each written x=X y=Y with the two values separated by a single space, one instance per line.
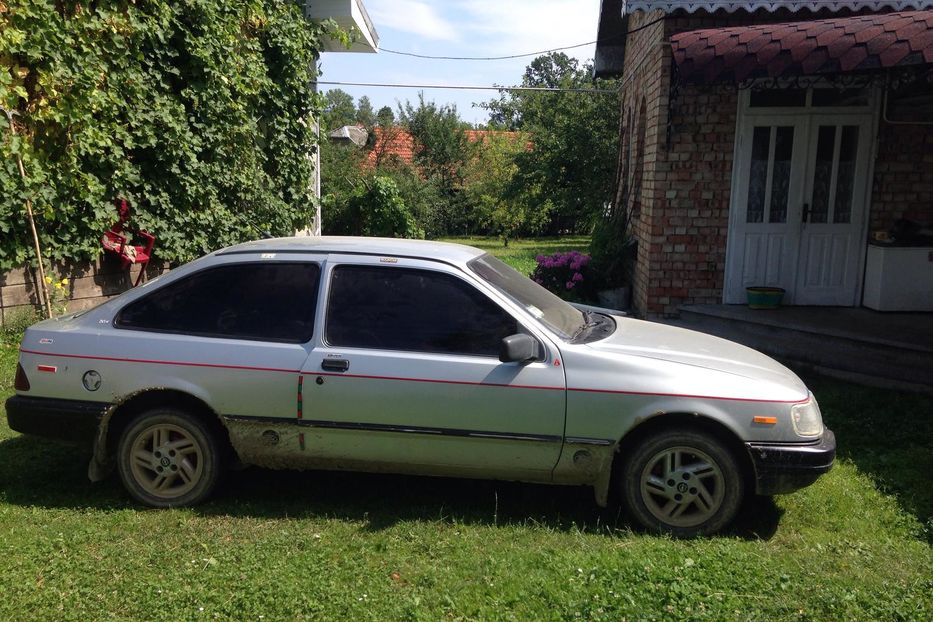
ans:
x=886 y=349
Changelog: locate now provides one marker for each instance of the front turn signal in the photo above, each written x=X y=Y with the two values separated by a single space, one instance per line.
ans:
x=21 y=383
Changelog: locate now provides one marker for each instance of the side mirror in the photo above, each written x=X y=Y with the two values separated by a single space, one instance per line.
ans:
x=518 y=348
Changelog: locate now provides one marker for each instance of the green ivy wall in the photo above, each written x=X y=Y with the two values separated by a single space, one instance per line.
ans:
x=196 y=111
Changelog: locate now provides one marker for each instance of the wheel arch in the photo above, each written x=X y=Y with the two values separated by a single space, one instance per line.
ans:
x=679 y=420
x=120 y=415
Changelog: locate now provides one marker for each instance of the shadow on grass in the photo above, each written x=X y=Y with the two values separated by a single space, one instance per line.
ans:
x=36 y=472
x=887 y=434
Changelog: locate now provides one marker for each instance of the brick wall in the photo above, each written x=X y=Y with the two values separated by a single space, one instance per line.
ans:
x=646 y=76
x=90 y=283
x=691 y=211
x=679 y=196
x=681 y=207
x=903 y=181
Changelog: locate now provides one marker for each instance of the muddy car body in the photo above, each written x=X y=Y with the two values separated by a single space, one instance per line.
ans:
x=412 y=357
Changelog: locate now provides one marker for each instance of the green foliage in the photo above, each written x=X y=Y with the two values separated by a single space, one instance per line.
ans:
x=491 y=173
x=614 y=251
x=442 y=153
x=196 y=112
x=570 y=169
x=15 y=322
x=375 y=208
x=339 y=110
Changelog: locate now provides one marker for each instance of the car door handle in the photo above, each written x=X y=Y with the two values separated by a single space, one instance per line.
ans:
x=335 y=364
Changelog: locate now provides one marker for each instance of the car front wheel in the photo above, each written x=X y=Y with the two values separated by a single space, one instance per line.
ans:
x=168 y=458
x=683 y=482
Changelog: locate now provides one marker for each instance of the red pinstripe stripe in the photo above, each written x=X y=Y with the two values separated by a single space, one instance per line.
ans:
x=428 y=380
x=126 y=360
x=705 y=397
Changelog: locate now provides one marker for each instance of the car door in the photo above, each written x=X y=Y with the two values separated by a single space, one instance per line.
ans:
x=407 y=376
x=234 y=335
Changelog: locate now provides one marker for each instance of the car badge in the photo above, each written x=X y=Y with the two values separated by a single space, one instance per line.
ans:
x=91 y=380
x=45 y=341
x=388 y=260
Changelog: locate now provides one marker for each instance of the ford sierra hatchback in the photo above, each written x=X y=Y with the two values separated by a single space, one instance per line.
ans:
x=412 y=357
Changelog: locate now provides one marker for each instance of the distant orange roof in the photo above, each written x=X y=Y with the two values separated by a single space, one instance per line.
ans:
x=398 y=142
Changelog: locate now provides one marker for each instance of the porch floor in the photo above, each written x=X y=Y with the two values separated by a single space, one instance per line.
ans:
x=885 y=348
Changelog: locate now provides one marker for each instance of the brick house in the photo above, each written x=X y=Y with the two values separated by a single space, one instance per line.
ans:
x=767 y=143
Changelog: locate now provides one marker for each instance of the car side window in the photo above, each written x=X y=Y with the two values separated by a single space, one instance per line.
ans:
x=415 y=310
x=258 y=301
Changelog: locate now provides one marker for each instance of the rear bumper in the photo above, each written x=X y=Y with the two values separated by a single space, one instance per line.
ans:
x=781 y=468
x=69 y=420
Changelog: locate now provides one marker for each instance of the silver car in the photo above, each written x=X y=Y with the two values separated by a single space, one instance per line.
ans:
x=412 y=357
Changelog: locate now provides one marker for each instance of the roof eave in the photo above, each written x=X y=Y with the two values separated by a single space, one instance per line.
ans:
x=610 y=44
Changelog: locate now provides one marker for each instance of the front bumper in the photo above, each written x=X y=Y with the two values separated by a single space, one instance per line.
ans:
x=69 y=420
x=781 y=468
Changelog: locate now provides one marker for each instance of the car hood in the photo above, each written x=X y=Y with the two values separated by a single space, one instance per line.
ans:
x=687 y=347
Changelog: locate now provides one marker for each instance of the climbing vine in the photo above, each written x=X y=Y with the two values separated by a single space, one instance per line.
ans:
x=196 y=111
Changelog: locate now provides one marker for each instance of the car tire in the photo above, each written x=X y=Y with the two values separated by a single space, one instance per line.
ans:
x=168 y=458
x=683 y=482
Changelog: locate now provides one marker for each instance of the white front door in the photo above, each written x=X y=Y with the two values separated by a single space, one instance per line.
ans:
x=799 y=207
x=831 y=247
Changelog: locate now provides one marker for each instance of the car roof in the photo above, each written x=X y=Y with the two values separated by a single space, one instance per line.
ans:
x=443 y=251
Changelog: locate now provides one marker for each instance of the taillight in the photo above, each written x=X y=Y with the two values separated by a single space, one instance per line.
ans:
x=22 y=382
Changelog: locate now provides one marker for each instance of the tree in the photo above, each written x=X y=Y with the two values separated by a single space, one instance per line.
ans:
x=575 y=135
x=339 y=110
x=490 y=180
x=364 y=113
x=441 y=153
x=385 y=117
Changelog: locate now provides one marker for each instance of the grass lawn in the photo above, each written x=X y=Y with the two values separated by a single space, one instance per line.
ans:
x=520 y=254
x=340 y=546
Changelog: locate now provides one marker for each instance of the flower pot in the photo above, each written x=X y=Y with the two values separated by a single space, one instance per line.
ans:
x=618 y=299
x=764 y=297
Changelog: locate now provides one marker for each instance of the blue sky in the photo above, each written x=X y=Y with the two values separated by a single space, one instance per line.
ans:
x=459 y=28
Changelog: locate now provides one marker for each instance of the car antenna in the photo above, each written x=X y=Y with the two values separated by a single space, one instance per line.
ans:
x=265 y=235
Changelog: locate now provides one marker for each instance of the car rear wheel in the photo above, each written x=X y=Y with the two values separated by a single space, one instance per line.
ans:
x=168 y=458
x=683 y=482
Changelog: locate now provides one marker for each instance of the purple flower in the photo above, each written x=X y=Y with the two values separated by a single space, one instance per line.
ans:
x=577 y=277
x=569 y=284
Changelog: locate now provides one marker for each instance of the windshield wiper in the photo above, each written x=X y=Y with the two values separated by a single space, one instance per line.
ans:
x=589 y=321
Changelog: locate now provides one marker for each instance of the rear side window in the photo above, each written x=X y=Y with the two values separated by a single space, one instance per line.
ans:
x=261 y=301
x=415 y=310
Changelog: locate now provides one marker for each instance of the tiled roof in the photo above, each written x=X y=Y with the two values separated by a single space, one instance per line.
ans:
x=398 y=142
x=395 y=141
x=838 y=45
x=731 y=6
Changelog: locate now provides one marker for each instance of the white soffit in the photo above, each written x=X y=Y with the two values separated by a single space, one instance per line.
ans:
x=350 y=16
x=691 y=6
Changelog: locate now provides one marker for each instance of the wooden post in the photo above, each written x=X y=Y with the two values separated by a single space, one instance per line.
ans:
x=43 y=293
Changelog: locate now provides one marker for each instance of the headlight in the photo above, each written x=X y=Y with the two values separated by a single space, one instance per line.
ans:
x=807 y=419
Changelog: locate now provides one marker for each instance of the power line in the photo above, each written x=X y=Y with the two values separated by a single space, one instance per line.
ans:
x=467 y=87
x=525 y=55
x=511 y=56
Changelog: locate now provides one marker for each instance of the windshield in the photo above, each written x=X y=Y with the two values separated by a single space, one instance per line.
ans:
x=553 y=312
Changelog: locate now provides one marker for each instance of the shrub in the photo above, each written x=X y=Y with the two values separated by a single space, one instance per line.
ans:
x=377 y=209
x=565 y=274
x=196 y=112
